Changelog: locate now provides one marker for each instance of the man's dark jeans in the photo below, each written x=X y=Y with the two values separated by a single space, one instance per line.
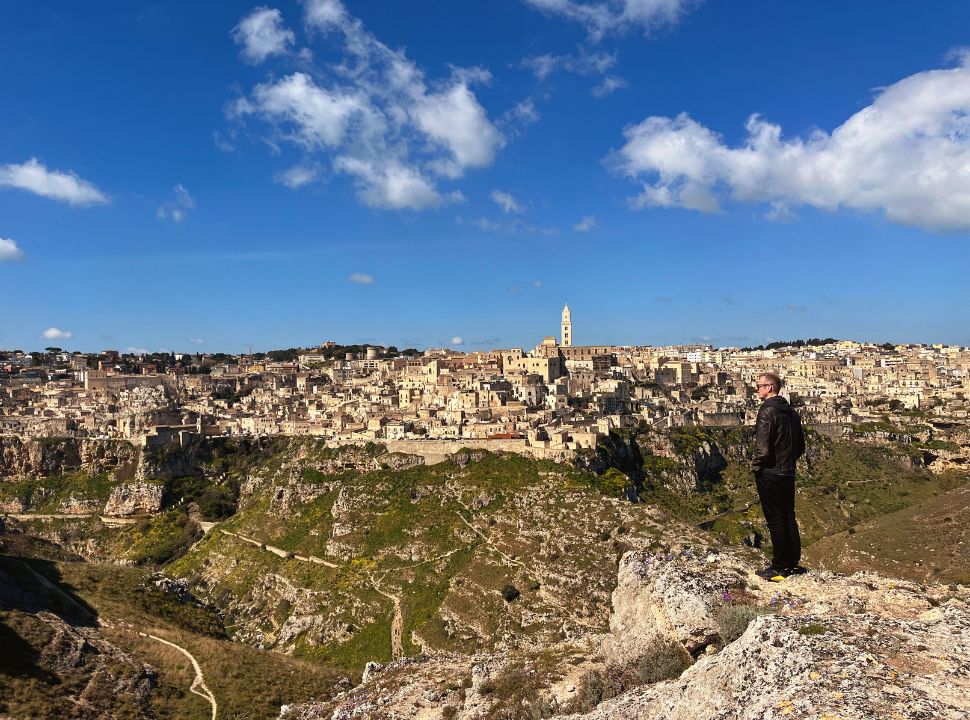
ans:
x=777 y=493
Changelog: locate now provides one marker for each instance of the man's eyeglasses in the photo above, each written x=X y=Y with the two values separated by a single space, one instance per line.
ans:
x=764 y=385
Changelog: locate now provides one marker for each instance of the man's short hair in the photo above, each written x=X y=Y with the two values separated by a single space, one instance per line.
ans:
x=776 y=382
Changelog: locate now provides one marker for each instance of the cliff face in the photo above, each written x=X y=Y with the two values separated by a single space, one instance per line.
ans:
x=817 y=646
x=138 y=498
x=76 y=476
x=56 y=456
x=683 y=460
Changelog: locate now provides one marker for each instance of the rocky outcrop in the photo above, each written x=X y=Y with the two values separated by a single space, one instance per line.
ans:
x=690 y=460
x=684 y=460
x=74 y=505
x=465 y=457
x=399 y=461
x=819 y=646
x=94 y=678
x=656 y=601
x=137 y=498
x=286 y=499
x=56 y=456
x=166 y=462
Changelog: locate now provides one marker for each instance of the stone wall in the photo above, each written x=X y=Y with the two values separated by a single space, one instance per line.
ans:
x=436 y=451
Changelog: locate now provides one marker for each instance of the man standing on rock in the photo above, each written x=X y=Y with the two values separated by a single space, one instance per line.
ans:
x=779 y=442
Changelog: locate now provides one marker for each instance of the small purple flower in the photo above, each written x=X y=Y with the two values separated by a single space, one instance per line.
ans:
x=726 y=596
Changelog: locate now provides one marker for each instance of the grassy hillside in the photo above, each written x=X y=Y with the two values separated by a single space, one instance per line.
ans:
x=496 y=552
x=111 y=606
x=924 y=542
x=340 y=556
x=841 y=483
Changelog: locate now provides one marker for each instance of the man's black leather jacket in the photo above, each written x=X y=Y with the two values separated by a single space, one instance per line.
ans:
x=779 y=441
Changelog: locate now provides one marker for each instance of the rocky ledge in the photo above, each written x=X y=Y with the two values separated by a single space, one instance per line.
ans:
x=695 y=634
x=134 y=499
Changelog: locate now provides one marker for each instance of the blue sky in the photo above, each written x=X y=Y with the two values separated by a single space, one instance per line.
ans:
x=219 y=176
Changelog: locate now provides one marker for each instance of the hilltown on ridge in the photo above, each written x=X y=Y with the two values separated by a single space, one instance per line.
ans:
x=546 y=402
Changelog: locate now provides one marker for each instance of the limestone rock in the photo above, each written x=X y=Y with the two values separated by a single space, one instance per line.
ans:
x=74 y=505
x=99 y=679
x=668 y=597
x=134 y=499
x=56 y=456
x=864 y=667
x=287 y=498
x=821 y=646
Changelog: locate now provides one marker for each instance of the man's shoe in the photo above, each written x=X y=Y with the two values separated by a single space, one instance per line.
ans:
x=773 y=574
x=797 y=570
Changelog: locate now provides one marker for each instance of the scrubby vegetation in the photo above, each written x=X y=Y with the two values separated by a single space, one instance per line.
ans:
x=163 y=538
x=516 y=691
x=662 y=662
x=473 y=550
x=47 y=494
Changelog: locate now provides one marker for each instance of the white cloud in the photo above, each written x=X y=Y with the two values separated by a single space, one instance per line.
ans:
x=139 y=350
x=324 y=13
x=176 y=209
x=609 y=85
x=514 y=226
x=454 y=119
x=361 y=278
x=586 y=224
x=582 y=63
x=616 y=16
x=537 y=283
x=67 y=187
x=508 y=203
x=457 y=341
x=197 y=341
x=297 y=176
x=261 y=34
x=9 y=251
x=780 y=212
x=222 y=143
x=375 y=118
x=906 y=154
x=319 y=116
x=518 y=117
x=53 y=333
x=390 y=185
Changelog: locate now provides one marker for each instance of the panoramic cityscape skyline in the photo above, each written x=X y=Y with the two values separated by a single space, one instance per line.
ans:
x=225 y=177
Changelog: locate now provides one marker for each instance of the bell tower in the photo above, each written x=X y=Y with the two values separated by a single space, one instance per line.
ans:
x=567 y=327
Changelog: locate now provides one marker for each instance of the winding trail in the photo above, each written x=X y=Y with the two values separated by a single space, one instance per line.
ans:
x=281 y=552
x=198 y=685
x=508 y=558
x=397 y=623
x=108 y=520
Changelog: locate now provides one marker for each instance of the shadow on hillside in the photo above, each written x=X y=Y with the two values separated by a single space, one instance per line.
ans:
x=33 y=585
x=19 y=658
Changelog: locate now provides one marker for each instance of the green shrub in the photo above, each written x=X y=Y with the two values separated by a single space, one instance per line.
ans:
x=733 y=619
x=164 y=538
x=664 y=661
x=614 y=483
x=515 y=692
